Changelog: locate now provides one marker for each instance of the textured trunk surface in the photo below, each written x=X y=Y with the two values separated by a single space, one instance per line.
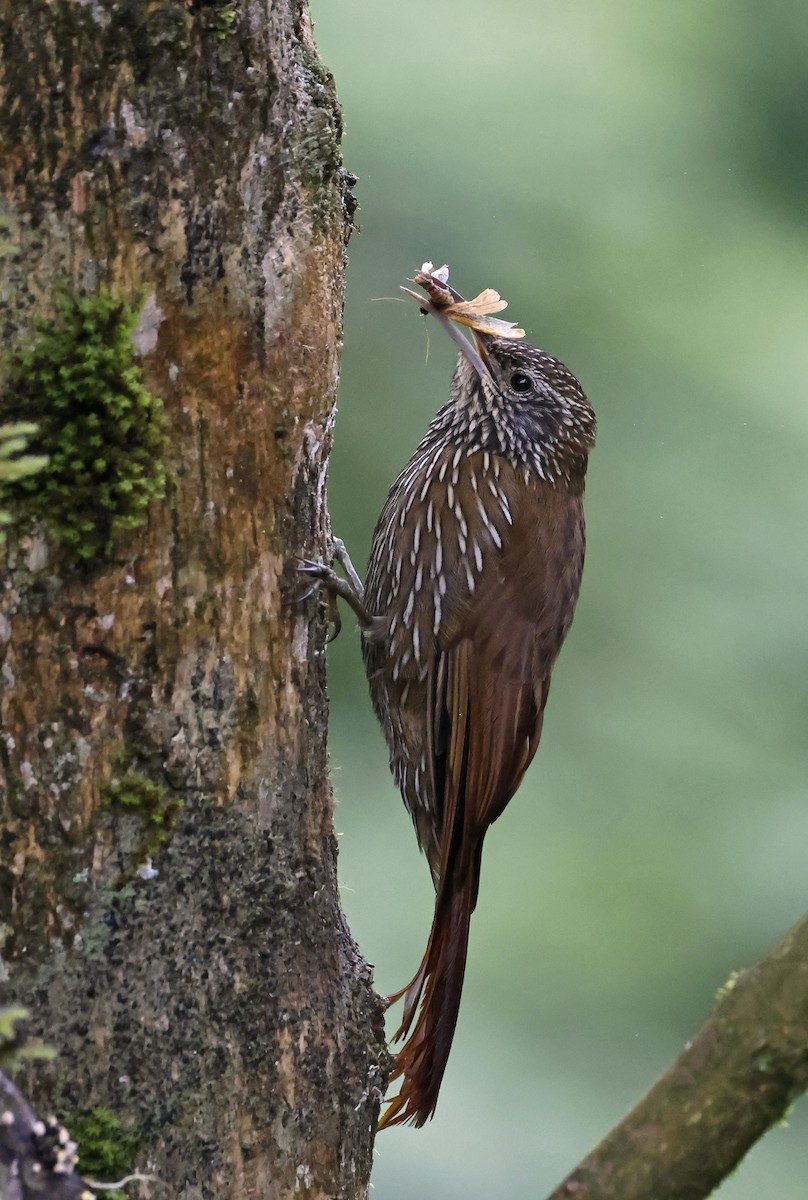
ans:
x=219 y=1012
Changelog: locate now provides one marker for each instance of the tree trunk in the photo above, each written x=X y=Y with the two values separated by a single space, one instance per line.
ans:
x=162 y=708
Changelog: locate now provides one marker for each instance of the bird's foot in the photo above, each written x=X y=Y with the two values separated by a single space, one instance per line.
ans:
x=323 y=575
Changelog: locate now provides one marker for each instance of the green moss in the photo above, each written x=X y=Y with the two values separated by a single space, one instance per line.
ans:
x=220 y=20
x=15 y=1048
x=107 y=1151
x=101 y=429
x=158 y=811
x=14 y=463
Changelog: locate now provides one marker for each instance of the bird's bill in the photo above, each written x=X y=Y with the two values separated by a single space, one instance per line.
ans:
x=474 y=351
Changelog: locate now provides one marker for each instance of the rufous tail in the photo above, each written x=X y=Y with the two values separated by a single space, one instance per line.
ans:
x=437 y=987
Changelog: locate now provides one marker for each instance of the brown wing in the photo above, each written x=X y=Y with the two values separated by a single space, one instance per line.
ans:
x=491 y=677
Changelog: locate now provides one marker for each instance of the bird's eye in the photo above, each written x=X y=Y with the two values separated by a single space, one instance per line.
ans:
x=521 y=382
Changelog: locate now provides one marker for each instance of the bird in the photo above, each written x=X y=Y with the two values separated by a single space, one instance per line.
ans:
x=472 y=582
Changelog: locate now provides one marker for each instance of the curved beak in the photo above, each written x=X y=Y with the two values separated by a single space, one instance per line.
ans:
x=474 y=351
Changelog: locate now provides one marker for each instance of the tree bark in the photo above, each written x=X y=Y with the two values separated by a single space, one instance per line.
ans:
x=184 y=156
x=735 y=1080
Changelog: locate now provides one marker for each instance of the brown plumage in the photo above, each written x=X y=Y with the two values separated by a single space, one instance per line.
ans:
x=472 y=583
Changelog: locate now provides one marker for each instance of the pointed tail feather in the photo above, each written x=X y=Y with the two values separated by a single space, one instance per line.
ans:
x=438 y=985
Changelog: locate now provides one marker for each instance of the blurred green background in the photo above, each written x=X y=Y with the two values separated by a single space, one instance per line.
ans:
x=632 y=177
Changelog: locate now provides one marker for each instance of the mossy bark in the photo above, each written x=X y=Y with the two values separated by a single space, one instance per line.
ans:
x=188 y=153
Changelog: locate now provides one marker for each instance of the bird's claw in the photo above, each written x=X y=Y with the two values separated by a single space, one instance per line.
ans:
x=320 y=574
x=310 y=566
x=305 y=566
x=334 y=619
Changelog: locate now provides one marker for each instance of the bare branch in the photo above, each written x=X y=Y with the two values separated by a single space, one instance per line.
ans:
x=735 y=1080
